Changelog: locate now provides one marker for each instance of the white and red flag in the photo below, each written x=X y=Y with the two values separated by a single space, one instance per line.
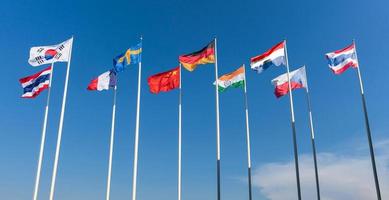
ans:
x=103 y=82
x=298 y=79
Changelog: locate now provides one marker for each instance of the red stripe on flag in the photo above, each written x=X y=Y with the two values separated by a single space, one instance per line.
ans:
x=283 y=89
x=93 y=84
x=28 y=78
x=345 y=49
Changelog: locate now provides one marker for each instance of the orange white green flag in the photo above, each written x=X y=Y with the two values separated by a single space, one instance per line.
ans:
x=234 y=79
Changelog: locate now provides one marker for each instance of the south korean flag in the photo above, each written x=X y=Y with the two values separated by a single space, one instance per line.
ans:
x=50 y=54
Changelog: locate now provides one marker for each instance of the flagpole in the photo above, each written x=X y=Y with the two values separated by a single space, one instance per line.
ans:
x=179 y=138
x=136 y=146
x=217 y=124
x=368 y=132
x=312 y=137
x=53 y=179
x=247 y=134
x=111 y=144
x=293 y=127
x=43 y=139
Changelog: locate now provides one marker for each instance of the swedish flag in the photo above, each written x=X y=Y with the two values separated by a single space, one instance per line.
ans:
x=131 y=56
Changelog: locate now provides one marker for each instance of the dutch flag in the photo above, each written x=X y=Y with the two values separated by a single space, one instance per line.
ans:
x=272 y=57
x=35 y=84
x=340 y=60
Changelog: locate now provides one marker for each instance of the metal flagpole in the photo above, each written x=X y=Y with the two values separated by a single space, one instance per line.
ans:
x=368 y=132
x=42 y=147
x=179 y=138
x=111 y=145
x=135 y=170
x=53 y=179
x=312 y=137
x=293 y=127
x=247 y=134
x=217 y=124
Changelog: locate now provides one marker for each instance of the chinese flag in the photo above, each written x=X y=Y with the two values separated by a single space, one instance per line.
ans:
x=164 y=81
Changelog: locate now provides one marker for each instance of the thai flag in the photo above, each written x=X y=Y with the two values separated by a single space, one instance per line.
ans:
x=35 y=84
x=298 y=79
x=340 y=60
x=274 y=56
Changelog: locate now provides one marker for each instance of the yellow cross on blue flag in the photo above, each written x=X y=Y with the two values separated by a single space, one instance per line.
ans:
x=131 y=56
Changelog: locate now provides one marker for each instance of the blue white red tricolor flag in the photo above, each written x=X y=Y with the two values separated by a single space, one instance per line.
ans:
x=272 y=57
x=49 y=54
x=35 y=84
x=340 y=60
x=103 y=82
x=298 y=79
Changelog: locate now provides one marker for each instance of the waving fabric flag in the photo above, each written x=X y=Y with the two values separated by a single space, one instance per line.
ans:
x=33 y=85
x=340 y=60
x=298 y=79
x=234 y=79
x=204 y=56
x=131 y=56
x=165 y=81
x=49 y=54
x=274 y=56
x=103 y=82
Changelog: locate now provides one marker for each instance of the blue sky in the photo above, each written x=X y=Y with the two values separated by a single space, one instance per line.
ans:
x=104 y=29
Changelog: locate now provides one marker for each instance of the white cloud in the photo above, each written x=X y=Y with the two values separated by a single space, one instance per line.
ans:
x=342 y=177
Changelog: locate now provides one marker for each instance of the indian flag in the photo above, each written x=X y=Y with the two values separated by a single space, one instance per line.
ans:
x=234 y=79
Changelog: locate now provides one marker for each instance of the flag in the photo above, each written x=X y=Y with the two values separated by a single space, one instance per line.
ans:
x=340 y=60
x=272 y=57
x=103 y=82
x=298 y=79
x=204 y=56
x=131 y=56
x=33 y=85
x=234 y=79
x=164 y=81
x=50 y=54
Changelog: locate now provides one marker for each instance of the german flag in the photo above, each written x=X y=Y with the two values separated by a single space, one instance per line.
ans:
x=204 y=56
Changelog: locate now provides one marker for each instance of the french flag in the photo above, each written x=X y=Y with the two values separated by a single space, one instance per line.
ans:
x=340 y=60
x=298 y=79
x=33 y=85
x=274 y=56
x=103 y=82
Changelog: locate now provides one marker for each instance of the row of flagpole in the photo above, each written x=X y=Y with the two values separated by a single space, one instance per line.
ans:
x=218 y=152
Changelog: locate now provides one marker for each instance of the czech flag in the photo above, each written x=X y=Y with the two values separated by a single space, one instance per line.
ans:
x=340 y=60
x=204 y=56
x=165 y=81
x=298 y=79
x=103 y=82
x=33 y=85
x=272 y=57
